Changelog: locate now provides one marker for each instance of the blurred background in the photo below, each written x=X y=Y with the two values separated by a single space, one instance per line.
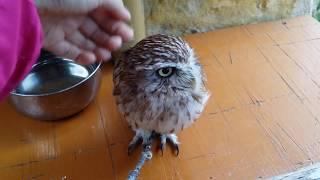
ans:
x=192 y=16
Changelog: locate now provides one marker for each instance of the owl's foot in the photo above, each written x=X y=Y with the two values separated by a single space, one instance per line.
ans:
x=141 y=135
x=147 y=137
x=173 y=139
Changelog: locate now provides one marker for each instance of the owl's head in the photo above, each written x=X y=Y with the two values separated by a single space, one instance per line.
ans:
x=163 y=64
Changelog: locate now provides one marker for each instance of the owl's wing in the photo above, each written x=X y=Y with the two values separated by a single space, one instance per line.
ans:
x=117 y=68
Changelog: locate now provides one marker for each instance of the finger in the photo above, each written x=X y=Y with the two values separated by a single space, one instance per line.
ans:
x=68 y=50
x=116 y=9
x=91 y=30
x=81 y=41
x=102 y=54
x=114 y=43
x=86 y=58
x=122 y=30
x=113 y=26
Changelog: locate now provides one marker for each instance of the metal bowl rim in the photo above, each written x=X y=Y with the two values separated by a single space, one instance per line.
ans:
x=62 y=90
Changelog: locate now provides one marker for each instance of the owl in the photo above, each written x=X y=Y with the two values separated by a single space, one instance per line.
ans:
x=159 y=88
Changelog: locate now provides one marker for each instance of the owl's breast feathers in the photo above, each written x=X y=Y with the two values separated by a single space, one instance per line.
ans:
x=160 y=113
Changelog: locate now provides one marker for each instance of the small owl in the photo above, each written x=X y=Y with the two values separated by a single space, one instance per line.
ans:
x=159 y=89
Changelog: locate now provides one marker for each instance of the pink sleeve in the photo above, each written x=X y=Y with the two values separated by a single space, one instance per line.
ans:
x=20 y=42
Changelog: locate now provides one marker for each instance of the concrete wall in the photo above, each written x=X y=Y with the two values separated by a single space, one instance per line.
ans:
x=187 y=16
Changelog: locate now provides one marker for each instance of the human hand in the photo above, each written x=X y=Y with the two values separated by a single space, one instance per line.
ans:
x=84 y=30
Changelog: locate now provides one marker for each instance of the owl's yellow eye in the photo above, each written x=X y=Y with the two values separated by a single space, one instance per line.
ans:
x=165 y=72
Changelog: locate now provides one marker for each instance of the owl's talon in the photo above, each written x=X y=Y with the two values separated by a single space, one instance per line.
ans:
x=133 y=145
x=162 y=148
x=176 y=147
x=163 y=141
x=131 y=148
x=173 y=139
x=144 y=136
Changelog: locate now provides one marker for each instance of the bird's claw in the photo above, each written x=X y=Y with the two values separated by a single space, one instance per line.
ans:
x=176 y=148
x=141 y=136
x=172 y=138
x=147 y=137
x=162 y=148
x=133 y=145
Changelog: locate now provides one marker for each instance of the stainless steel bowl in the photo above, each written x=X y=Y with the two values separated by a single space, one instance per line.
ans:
x=56 y=88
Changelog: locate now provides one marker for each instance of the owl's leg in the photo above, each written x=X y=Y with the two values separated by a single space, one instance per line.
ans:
x=173 y=139
x=141 y=135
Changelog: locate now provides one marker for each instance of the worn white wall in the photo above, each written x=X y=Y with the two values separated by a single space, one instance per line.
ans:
x=186 y=16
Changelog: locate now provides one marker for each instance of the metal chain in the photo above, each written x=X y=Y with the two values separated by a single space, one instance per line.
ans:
x=146 y=155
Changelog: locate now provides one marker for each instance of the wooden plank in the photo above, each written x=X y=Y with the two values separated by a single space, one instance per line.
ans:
x=311 y=172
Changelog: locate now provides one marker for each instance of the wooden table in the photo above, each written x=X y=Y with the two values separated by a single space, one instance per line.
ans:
x=263 y=119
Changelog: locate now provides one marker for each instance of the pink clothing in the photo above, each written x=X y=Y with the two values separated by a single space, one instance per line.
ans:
x=20 y=42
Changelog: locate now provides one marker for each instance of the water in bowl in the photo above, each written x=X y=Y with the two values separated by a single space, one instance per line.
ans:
x=52 y=77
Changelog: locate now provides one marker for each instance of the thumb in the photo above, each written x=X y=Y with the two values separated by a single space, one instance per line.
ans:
x=112 y=7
